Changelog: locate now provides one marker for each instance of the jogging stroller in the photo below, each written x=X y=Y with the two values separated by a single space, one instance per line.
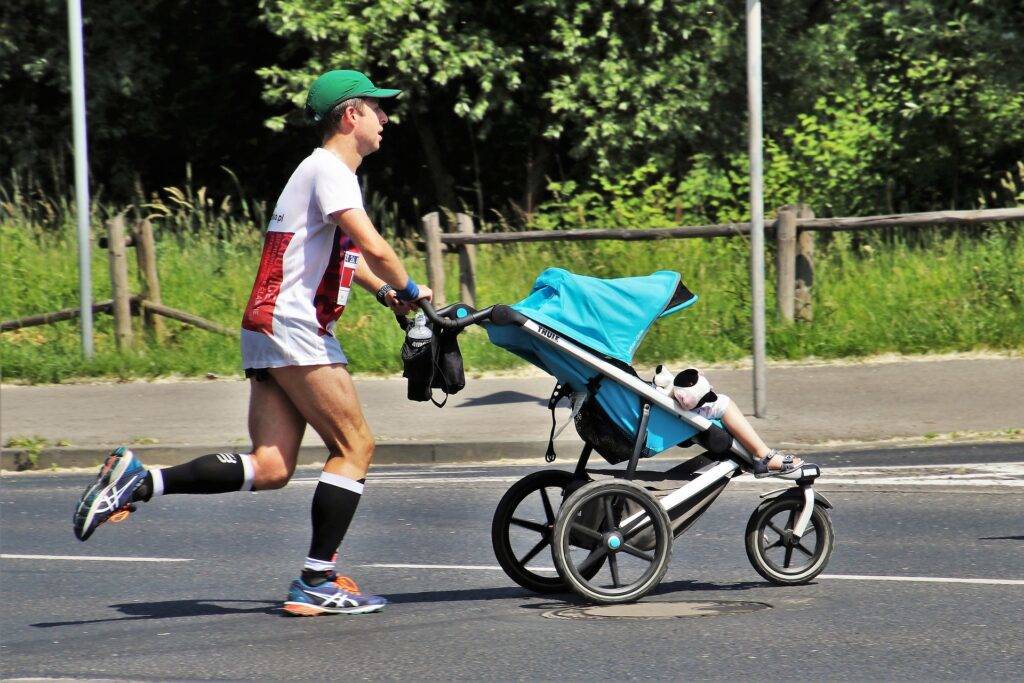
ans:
x=610 y=531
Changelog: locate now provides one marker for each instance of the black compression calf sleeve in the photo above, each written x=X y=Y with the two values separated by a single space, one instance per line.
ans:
x=334 y=504
x=214 y=473
x=145 y=490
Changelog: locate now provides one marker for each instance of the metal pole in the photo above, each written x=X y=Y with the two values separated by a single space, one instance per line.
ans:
x=756 y=201
x=81 y=172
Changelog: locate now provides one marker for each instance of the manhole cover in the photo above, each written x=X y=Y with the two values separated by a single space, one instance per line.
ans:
x=658 y=610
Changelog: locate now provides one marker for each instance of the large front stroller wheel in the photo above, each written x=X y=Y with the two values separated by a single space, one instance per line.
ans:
x=522 y=529
x=776 y=553
x=600 y=524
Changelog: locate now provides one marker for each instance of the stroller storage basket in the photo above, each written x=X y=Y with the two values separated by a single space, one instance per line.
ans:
x=597 y=429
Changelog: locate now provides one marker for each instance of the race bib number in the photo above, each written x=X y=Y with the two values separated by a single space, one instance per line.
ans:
x=348 y=271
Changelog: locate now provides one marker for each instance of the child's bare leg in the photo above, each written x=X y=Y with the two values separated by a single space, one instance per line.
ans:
x=741 y=429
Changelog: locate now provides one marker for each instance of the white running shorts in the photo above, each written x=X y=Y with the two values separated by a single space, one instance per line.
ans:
x=289 y=346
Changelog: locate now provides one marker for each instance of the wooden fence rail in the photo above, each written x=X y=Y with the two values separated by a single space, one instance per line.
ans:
x=54 y=317
x=792 y=228
x=125 y=304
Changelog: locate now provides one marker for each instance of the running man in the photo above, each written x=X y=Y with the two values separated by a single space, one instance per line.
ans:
x=318 y=242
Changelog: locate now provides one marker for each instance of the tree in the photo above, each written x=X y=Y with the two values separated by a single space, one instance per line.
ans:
x=167 y=84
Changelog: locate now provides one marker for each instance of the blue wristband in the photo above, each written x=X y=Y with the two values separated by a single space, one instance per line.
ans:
x=410 y=292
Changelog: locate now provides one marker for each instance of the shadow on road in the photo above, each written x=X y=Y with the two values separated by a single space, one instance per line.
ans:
x=479 y=594
x=468 y=594
x=501 y=398
x=1001 y=538
x=171 y=609
x=673 y=586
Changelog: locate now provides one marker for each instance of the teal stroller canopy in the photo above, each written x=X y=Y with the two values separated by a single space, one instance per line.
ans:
x=609 y=316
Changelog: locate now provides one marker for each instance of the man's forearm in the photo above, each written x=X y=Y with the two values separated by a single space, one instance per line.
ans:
x=366 y=279
x=385 y=265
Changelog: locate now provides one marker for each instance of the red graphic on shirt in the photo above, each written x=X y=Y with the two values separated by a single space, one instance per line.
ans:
x=332 y=294
x=259 y=313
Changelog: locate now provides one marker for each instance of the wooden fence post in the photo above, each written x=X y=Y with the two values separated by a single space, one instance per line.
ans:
x=435 y=256
x=119 y=281
x=467 y=262
x=804 y=302
x=145 y=250
x=785 y=262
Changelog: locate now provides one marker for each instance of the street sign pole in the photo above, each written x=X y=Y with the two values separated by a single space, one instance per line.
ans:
x=756 y=202
x=81 y=173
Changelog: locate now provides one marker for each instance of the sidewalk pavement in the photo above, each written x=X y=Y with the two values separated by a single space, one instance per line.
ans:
x=809 y=407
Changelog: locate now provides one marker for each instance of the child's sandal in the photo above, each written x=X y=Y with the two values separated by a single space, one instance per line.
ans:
x=762 y=470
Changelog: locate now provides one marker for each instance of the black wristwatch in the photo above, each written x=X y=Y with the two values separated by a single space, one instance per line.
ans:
x=382 y=294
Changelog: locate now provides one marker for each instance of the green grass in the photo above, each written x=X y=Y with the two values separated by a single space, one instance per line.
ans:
x=951 y=293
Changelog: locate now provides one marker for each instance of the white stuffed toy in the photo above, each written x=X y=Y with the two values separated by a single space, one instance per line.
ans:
x=691 y=389
x=663 y=380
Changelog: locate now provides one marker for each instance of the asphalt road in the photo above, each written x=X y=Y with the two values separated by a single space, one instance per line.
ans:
x=216 y=616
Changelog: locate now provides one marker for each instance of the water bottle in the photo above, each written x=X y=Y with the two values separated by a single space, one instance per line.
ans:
x=419 y=334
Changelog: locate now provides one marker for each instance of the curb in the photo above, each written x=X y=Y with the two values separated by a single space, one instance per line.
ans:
x=20 y=460
x=411 y=453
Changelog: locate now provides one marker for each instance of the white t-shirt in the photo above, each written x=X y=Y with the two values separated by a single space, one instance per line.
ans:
x=306 y=270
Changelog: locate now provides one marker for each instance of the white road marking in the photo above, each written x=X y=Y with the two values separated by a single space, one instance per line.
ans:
x=1009 y=474
x=94 y=558
x=847 y=577
x=487 y=567
x=923 y=579
x=371 y=481
x=419 y=473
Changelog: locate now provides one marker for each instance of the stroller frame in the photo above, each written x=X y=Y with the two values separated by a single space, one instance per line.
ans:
x=641 y=512
x=737 y=455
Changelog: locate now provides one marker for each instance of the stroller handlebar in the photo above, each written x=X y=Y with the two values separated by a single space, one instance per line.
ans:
x=460 y=316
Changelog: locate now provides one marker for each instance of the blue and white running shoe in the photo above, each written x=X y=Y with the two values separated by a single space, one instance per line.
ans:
x=339 y=595
x=110 y=496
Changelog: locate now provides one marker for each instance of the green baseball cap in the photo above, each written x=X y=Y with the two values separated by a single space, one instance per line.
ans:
x=337 y=86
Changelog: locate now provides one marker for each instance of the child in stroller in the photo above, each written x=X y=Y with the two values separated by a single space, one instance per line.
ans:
x=715 y=406
x=611 y=536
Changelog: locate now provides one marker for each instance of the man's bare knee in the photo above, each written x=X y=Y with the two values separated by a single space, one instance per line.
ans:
x=358 y=452
x=271 y=470
x=271 y=480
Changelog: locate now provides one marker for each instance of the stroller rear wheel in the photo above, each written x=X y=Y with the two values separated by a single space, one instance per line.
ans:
x=779 y=556
x=522 y=528
x=624 y=511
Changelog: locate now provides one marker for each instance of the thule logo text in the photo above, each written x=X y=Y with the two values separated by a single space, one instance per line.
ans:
x=549 y=334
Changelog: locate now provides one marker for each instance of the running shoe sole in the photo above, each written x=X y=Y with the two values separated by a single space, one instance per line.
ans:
x=304 y=609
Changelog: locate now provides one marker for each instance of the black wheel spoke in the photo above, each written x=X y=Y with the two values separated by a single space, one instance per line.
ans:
x=548 y=510
x=613 y=564
x=533 y=552
x=586 y=531
x=799 y=546
x=636 y=552
x=789 y=557
x=777 y=544
x=609 y=514
x=595 y=556
x=776 y=529
x=532 y=526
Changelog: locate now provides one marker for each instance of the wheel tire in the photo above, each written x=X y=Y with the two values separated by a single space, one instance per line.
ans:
x=502 y=522
x=582 y=500
x=758 y=532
